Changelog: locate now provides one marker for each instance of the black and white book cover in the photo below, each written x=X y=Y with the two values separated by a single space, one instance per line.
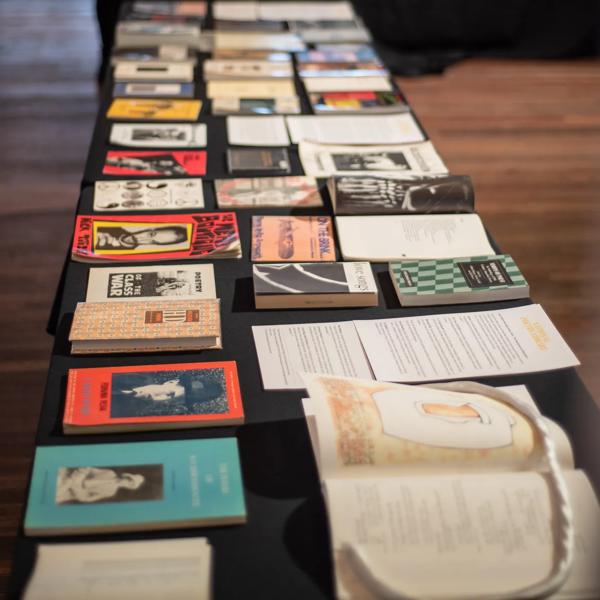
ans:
x=419 y=195
x=158 y=135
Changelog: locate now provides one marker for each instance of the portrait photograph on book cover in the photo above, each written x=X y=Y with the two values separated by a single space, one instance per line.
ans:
x=143 y=238
x=168 y=392
x=123 y=483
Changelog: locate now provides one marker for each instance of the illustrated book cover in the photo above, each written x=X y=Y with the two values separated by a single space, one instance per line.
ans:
x=154 y=110
x=135 y=486
x=358 y=102
x=152 y=397
x=154 y=163
x=267 y=160
x=158 y=135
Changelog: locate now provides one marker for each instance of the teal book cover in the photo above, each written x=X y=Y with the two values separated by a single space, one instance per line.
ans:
x=135 y=487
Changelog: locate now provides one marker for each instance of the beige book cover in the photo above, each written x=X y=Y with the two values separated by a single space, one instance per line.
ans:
x=257 y=88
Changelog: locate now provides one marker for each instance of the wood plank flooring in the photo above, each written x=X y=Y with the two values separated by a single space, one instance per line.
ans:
x=527 y=132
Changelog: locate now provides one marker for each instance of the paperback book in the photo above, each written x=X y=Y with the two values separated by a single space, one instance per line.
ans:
x=154 y=110
x=148 y=194
x=136 y=486
x=152 y=163
x=358 y=102
x=152 y=54
x=152 y=397
x=380 y=195
x=136 y=34
x=267 y=192
x=342 y=69
x=266 y=160
x=182 y=282
x=233 y=54
x=153 y=90
x=256 y=106
x=253 y=89
x=156 y=237
x=158 y=135
x=182 y=72
x=292 y=239
x=214 y=69
x=314 y=285
x=458 y=280
x=248 y=40
x=145 y=326
x=376 y=83
x=339 y=55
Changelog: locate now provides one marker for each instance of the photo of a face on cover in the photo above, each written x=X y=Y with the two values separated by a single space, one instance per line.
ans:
x=114 y=238
x=95 y=485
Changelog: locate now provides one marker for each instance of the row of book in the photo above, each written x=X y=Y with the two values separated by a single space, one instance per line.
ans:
x=373 y=182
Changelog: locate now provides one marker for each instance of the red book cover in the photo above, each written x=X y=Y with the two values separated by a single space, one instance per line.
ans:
x=156 y=237
x=161 y=163
x=149 y=397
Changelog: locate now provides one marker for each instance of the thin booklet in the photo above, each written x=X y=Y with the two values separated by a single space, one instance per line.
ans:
x=159 y=135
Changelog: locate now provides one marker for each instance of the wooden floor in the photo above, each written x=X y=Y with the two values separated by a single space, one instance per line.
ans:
x=527 y=132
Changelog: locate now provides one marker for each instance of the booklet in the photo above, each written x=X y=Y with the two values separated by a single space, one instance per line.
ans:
x=358 y=102
x=286 y=351
x=256 y=106
x=273 y=192
x=292 y=239
x=182 y=282
x=214 y=69
x=152 y=194
x=342 y=69
x=154 y=110
x=152 y=397
x=356 y=129
x=339 y=54
x=257 y=131
x=138 y=570
x=156 y=237
x=233 y=54
x=246 y=10
x=405 y=468
x=253 y=89
x=154 y=71
x=151 y=54
x=153 y=90
x=320 y=160
x=135 y=486
x=385 y=238
x=342 y=31
x=321 y=11
x=466 y=344
x=136 y=34
x=151 y=163
x=347 y=84
x=242 y=40
x=267 y=160
x=145 y=326
x=158 y=135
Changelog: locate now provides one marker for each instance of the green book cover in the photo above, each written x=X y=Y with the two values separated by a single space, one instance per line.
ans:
x=135 y=486
x=458 y=280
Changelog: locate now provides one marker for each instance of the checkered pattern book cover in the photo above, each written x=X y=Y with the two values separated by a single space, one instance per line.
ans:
x=447 y=276
x=146 y=320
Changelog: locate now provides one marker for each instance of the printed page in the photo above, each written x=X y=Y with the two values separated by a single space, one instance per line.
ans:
x=355 y=129
x=366 y=428
x=284 y=351
x=298 y=11
x=383 y=238
x=177 y=569
x=479 y=534
x=257 y=131
x=235 y=11
x=236 y=40
x=256 y=89
x=347 y=84
x=459 y=345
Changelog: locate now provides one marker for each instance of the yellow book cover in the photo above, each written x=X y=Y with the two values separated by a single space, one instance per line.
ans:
x=158 y=109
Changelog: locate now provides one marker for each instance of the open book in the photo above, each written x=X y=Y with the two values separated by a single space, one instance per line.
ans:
x=443 y=492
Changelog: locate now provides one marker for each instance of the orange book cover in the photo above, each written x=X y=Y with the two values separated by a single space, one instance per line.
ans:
x=153 y=397
x=292 y=239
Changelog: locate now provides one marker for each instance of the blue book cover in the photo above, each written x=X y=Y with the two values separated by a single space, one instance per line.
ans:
x=135 y=486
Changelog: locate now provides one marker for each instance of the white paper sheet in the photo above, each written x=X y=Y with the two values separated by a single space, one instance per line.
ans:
x=257 y=131
x=299 y=11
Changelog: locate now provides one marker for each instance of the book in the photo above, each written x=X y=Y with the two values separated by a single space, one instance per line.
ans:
x=248 y=40
x=258 y=89
x=342 y=69
x=364 y=195
x=267 y=192
x=154 y=71
x=358 y=102
x=214 y=69
x=145 y=326
x=318 y=11
x=233 y=54
x=136 y=486
x=151 y=54
x=144 y=89
x=458 y=280
x=136 y=34
x=314 y=285
x=154 y=110
x=151 y=163
x=148 y=194
x=156 y=237
x=158 y=135
x=169 y=11
x=321 y=160
x=378 y=83
x=240 y=11
x=358 y=53
x=292 y=239
x=315 y=31
x=252 y=26
x=152 y=397
x=267 y=160
x=256 y=106
x=136 y=570
x=406 y=468
x=182 y=282
x=257 y=131
x=386 y=238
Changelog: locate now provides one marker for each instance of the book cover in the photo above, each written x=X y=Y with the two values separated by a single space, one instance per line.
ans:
x=232 y=53
x=152 y=397
x=150 y=325
x=152 y=90
x=148 y=194
x=156 y=237
x=135 y=486
x=381 y=195
x=269 y=160
x=358 y=102
x=182 y=282
x=180 y=72
x=149 y=54
x=339 y=55
x=293 y=239
x=150 y=163
x=158 y=135
x=245 y=69
x=342 y=69
x=267 y=191
x=157 y=110
x=458 y=280
x=256 y=89
x=256 y=106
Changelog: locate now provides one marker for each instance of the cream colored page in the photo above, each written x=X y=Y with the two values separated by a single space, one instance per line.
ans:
x=235 y=11
x=298 y=11
x=460 y=537
x=258 y=89
x=369 y=428
x=149 y=570
x=257 y=131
